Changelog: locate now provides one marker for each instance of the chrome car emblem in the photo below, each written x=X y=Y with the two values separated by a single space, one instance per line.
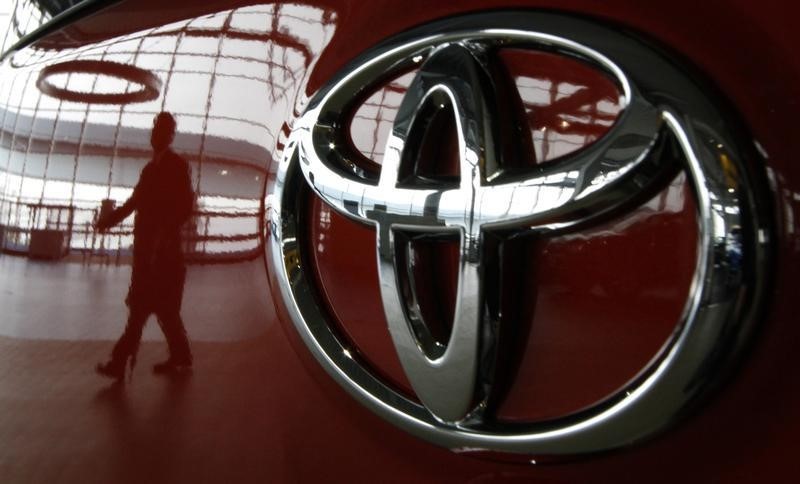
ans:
x=667 y=124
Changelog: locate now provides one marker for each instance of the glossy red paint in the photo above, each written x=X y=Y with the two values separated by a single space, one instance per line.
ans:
x=258 y=408
x=601 y=304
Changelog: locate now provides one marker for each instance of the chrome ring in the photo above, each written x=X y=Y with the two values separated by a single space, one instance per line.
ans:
x=731 y=266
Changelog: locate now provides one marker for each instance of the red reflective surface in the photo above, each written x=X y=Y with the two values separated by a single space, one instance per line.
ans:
x=257 y=407
x=601 y=304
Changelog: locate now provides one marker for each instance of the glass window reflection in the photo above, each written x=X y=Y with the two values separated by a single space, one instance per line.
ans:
x=225 y=76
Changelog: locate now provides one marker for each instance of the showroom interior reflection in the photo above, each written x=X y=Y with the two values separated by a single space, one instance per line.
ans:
x=568 y=106
x=27 y=16
x=76 y=125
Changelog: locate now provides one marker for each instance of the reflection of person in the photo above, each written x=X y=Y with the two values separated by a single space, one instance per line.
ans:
x=163 y=201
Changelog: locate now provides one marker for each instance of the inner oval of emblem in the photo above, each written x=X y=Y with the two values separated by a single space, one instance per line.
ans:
x=442 y=376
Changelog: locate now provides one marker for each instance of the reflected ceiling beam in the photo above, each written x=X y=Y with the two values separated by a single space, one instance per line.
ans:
x=279 y=38
x=139 y=15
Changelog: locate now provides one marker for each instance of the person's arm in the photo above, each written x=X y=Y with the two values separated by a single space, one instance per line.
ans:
x=123 y=211
x=118 y=214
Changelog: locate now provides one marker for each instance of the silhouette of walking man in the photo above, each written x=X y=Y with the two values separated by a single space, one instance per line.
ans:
x=163 y=200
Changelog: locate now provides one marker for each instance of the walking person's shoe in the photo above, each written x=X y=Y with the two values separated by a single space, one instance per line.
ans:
x=114 y=369
x=172 y=366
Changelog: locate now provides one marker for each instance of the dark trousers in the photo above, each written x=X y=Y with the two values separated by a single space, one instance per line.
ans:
x=172 y=326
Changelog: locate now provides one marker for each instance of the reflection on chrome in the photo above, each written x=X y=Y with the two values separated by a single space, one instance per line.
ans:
x=649 y=143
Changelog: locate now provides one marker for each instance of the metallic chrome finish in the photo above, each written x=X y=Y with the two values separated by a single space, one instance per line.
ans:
x=666 y=118
x=454 y=78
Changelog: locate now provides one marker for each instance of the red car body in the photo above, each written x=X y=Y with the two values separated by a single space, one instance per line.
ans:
x=258 y=407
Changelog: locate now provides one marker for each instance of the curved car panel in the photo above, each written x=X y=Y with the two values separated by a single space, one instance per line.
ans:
x=257 y=407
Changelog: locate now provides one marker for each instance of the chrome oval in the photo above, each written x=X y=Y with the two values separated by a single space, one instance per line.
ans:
x=667 y=124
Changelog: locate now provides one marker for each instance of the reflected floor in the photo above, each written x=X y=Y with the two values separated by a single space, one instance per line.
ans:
x=76 y=301
x=249 y=412
x=59 y=422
